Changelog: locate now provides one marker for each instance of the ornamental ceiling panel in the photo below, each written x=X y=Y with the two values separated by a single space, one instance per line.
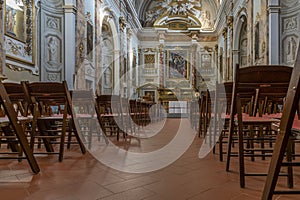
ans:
x=178 y=14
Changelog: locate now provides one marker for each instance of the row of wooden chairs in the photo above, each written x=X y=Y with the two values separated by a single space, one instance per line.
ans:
x=119 y=115
x=253 y=85
x=56 y=115
x=257 y=96
x=34 y=103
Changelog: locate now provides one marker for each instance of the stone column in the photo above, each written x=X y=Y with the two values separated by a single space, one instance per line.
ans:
x=98 y=49
x=217 y=70
x=161 y=66
x=235 y=60
x=193 y=67
x=70 y=43
x=122 y=26
x=274 y=31
x=128 y=72
x=230 y=30
x=225 y=65
x=2 y=50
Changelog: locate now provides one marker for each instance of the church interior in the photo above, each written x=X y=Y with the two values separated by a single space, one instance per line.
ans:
x=139 y=86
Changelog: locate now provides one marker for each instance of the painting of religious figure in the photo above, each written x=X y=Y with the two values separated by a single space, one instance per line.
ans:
x=178 y=66
x=14 y=19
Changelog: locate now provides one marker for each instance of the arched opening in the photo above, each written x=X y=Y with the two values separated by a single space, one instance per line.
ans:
x=107 y=76
x=243 y=43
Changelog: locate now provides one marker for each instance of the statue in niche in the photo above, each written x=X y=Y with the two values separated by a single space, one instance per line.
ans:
x=243 y=51
x=107 y=77
x=291 y=49
x=53 y=51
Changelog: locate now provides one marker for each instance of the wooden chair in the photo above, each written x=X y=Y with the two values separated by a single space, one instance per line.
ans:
x=249 y=81
x=203 y=112
x=134 y=114
x=86 y=116
x=129 y=127
x=110 y=115
x=222 y=102
x=11 y=120
x=47 y=126
x=16 y=95
x=288 y=115
x=194 y=114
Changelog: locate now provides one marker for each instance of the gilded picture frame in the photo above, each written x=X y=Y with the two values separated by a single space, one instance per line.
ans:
x=15 y=19
x=178 y=64
x=19 y=29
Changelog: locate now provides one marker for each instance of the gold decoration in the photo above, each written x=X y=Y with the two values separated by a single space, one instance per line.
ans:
x=149 y=60
x=175 y=14
x=1 y=3
x=178 y=7
x=149 y=50
x=28 y=47
x=216 y=48
x=224 y=32
x=129 y=33
x=263 y=47
x=230 y=22
x=81 y=50
x=122 y=23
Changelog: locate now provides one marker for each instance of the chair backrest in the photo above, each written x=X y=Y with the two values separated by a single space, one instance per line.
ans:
x=109 y=112
x=261 y=81
x=48 y=94
x=83 y=102
x=109 y=104
x=15 y=92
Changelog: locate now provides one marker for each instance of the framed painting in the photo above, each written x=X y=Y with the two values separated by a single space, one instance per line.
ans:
x=15 y=19
x=178 y=64
x=19 y=29
x=207 y=64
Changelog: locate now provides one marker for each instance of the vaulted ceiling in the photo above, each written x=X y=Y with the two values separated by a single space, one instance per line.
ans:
x=204 y=10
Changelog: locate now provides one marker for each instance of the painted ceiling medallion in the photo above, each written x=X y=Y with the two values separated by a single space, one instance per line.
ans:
x=178 y=7
x=175 y=15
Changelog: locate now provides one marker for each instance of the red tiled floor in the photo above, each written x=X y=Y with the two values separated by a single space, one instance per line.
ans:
x=84 y=178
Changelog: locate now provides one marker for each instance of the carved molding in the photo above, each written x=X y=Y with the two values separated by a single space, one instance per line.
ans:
x=1 y=3
x=122 y=23
x=217 y=48
x=17 y=68
x=29 y=27
x=290 y=24
x=230 y=22
x=52 y=45
x=52 y=3
x=289 y=3
x=224 y=32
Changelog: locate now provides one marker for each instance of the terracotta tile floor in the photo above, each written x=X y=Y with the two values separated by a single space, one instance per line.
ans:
x=83 y=177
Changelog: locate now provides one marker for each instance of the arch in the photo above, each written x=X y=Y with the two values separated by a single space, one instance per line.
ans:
x=242 y=17
x=240 y=23
x=109 y=22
